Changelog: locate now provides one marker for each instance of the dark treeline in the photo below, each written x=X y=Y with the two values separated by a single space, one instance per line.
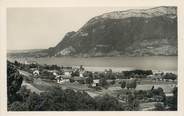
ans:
x=137 y=72
x=58 y=99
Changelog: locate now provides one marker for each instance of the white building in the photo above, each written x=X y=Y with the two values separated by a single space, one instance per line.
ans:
x=95 y=82
x=62 y=78
x=36 y=73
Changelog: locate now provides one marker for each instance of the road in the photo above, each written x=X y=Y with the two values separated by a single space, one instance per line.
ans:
x=27 y=74
x=29 y=85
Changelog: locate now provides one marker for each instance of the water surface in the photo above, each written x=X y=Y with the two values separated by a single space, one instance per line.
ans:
x=162 y=63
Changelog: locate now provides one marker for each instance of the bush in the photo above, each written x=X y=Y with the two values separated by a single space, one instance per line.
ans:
x=159 y=107
x=175 y=98
x=81 y=81
x=113 y=82
x=107 y=103
x=170 y=76
x=72 y=80
x=103 y=82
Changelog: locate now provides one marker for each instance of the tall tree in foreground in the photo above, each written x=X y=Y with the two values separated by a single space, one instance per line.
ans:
x=174 y=99
x=14 y=81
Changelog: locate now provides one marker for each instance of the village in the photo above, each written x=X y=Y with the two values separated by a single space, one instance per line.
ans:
x=148 y=89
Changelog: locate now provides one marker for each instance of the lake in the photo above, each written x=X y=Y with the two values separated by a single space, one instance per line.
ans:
x=162 y=63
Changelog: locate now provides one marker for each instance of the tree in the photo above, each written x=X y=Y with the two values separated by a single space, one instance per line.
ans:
x=113 y=82
x=159 y=91
x=137 y=72
x=33 y=102
x=133 y=103
x=123 y=84
x=17 y=63
x=174 y=99
x=75 y=73
x=170 y=76
x=14 y=81
x=108 y=103
x=152 y=88
x=131 y=84
x=89 y=80
x=103 y=82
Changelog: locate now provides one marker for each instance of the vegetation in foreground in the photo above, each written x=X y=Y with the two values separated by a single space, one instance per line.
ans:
x=57 y=99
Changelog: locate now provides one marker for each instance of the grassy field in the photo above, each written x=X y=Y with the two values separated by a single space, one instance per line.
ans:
x=113 y=90
x=166 y=87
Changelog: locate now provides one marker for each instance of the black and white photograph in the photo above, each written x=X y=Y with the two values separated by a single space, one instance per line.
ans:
x=92 y=59
x=102 y=58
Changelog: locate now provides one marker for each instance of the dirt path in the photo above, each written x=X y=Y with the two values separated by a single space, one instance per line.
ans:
x=29 y=85
x=27 y=74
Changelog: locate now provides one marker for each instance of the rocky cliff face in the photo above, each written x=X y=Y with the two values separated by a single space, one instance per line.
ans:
x=132 y=32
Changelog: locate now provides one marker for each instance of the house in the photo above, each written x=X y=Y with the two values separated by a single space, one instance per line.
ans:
x=26 y=62
x=54 y=72
x=67 y=70
x=29 y=62
x=95 y=82
x=81 y=71
x=36 y=73
x=169 y=94
x=67 y=73
x=62 y=78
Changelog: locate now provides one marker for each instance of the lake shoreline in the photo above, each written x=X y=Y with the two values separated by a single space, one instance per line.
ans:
x=117 y=64
x=120 y=69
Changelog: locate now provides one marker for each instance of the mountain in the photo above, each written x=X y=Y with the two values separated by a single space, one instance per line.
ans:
x=135 y=32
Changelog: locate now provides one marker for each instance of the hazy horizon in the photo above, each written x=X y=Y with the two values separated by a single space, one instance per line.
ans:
x=41 y=28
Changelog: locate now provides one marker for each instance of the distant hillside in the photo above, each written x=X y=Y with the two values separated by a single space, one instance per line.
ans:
x=27 y=53
x=135 y=32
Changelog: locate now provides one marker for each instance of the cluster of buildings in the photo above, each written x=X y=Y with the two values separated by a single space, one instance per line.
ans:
x=77 y=73
x=67 y=74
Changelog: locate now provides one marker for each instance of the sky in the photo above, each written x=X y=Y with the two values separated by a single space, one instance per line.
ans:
x=40 y=28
